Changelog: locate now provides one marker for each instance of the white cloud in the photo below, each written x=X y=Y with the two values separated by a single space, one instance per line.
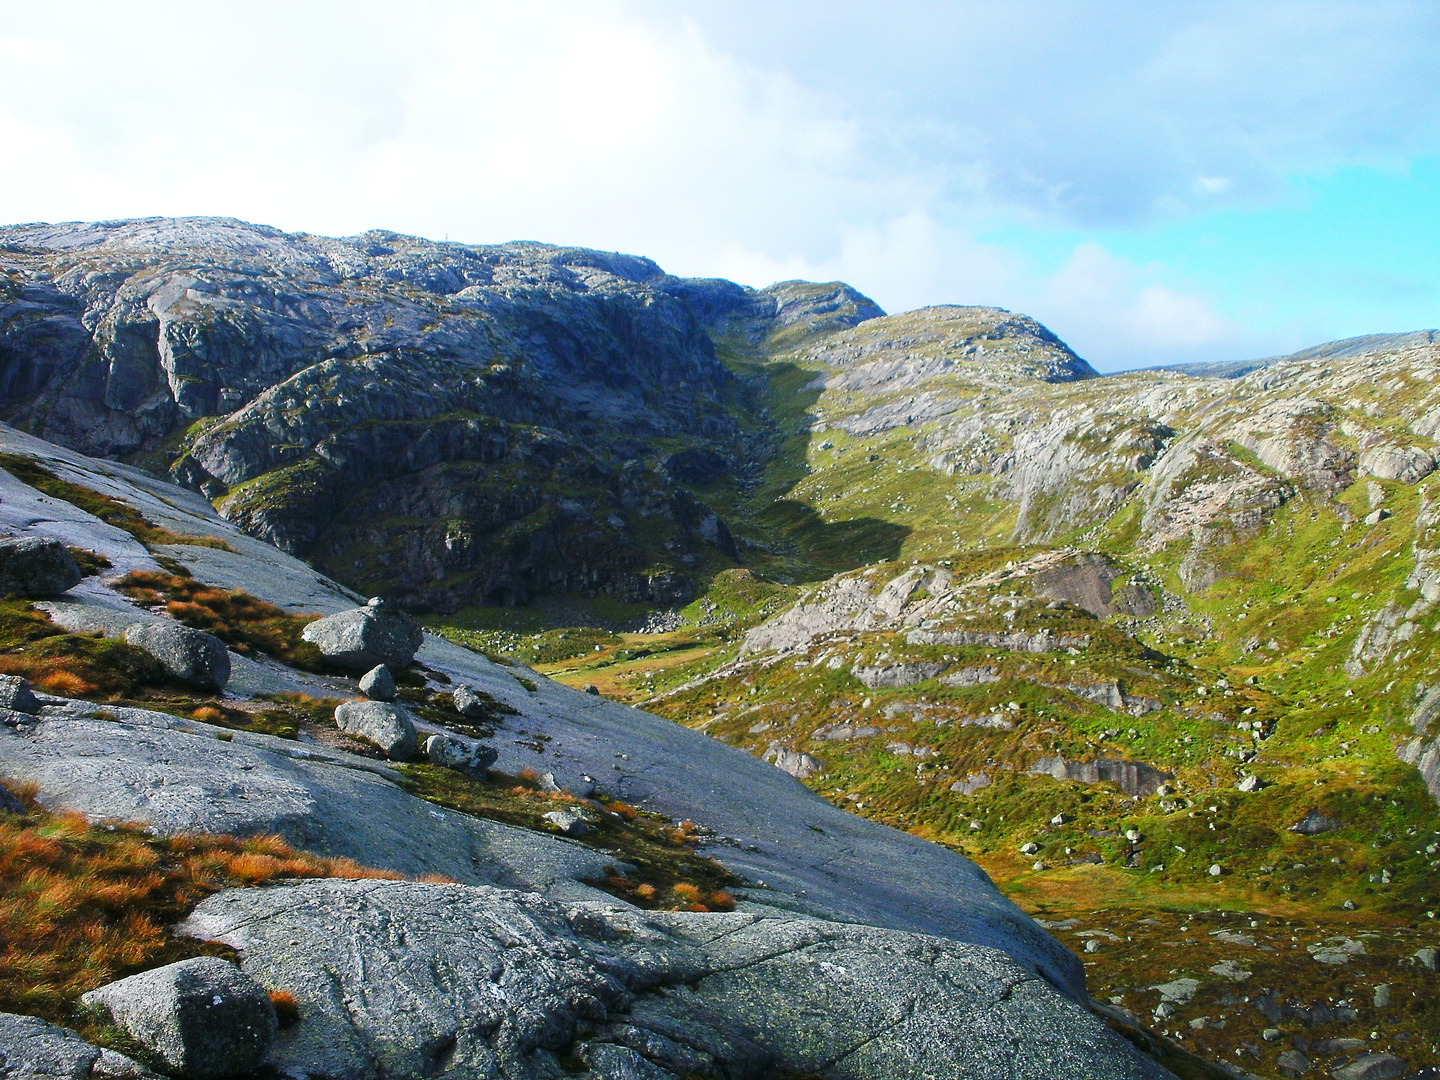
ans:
x=757 y=141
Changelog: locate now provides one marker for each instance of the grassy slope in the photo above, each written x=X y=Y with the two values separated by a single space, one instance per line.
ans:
x=1271 y=636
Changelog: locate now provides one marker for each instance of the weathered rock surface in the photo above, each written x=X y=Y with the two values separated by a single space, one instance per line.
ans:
x=797 y=763
x=31 y=1049
x=35 y=566
x=177 y=776
x=1131 y=777
x=418 y=980
x=468 y=756
x=16 y=695
x=378 y=722
x=897 y=675
x=203 y=1017
x=363 y=638
x=378 y=684
x=192 y=656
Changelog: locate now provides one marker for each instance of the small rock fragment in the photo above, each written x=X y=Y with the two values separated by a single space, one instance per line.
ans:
x=1429 y=959
x=1249 y=784
x=1031 y=848
x=1292 y=1063
x=1216 y=870
x=31 y=1049
x=378 y=684
x=470 y=704
x=202 y=1017
x=1381 y=997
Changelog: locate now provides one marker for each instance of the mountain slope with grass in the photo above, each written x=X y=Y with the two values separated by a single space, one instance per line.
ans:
x=1156 y=650
x=636 y=898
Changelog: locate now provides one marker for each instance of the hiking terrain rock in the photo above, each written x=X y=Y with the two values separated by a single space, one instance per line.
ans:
x=35 y=566
x=203 y=1017
x=192 y=656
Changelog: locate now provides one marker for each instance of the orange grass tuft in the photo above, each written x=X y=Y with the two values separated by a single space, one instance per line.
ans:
x=82 y=904
x=287 y=1009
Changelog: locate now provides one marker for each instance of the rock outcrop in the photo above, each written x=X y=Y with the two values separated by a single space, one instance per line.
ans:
x=31 y=1049
x=493 y=982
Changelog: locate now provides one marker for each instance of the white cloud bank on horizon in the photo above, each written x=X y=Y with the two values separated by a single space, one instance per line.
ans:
x=624 y=126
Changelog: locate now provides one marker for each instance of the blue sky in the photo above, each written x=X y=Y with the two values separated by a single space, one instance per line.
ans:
x=1157 y=182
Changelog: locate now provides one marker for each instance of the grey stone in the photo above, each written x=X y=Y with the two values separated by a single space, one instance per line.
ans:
x=1373 y=1067
x=971 y=784
x=378 y=684
x=897 y=675
x=202 y=1017
x=467 y=756
x=1314 y=823
x=9 y=804
x=1381 y=998
x=1249 y=784
x=496 y=982
x=1131 y=777
x=569 y=822
x=362 y=638
x=1178 y=991
x=470 y=704
x=31 y=1049
x=380 y=723
x=797 y=763
x=195 y=658
x=35 y=566
x=1376 y=516
x=1428 y=958
x=1292 y=1063
x=15 y=694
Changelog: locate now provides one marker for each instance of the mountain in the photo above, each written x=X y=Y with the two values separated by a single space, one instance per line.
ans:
x=1331 y=350
x=1157 y=652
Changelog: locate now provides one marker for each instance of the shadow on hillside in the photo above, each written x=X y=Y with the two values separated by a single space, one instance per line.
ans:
x=835 y=546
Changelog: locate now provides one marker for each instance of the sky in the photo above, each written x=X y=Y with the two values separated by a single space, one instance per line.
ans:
x=1157 y=183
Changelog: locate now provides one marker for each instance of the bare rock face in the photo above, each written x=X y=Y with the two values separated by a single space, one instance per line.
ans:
x=194 y=657
x=378 y=722
x=31 y=1049
x=363 y=638
x=494 y=982
x=202 y=1017
x=1131 y=777
x=35 y=566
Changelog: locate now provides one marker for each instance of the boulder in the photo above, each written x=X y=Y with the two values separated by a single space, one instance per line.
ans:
x=471 y=705
x=414 y=979
x=569 y=822
x=797 y=763
x=34 y=566
x=31 y=1049
x=195 y=658
x=378 y=684
x=361 y=638
x=1314 y=823
x=9 y=804
x=1131 y=777
x=387 y=726
x=15 y=694
x=1385 y=1066
x=463 y=755
x=202 y=1017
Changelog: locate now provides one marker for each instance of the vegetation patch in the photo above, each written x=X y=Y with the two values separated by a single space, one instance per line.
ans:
x=246 y=624
x=663 y=870
x=84 y=904
x=109 y=510
x=72 y=665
